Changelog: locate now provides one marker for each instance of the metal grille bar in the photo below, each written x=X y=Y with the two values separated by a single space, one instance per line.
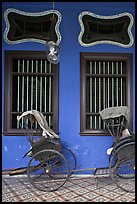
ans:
x=105 y=87
x=90 y=93
x=45 y=105
x=50 y=95
x=41 y=88
x=36 y=88
x=18 y=97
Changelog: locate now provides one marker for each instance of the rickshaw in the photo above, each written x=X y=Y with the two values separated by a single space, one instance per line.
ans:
x=50 y=160
x=51 y=163
x=122 y=152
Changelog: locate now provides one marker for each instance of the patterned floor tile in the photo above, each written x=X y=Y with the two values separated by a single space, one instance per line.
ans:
x=102 y=190
x=90 y=195
x=33 y=200
x=9 y=195
x=81 y=191
x=5 y=191
x=55 y=199
x=62 y=191
x=69 y=195
x=79 y=199
x=22 y=191
x=92 y=187
x=75 y=190
x=27 y=196
x=84 y=184
x=74 y=187
x=13 y=199
x=124 y=199
x=47 y=195
x=100 y=199
x=111 y=195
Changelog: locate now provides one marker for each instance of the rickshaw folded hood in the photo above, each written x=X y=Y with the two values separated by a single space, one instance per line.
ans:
x=114 y=112
x=39 y=117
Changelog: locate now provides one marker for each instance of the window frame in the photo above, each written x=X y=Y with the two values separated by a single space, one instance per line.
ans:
x=92 y=18
x=9 y=56
x=84 y=58
x=54 y=32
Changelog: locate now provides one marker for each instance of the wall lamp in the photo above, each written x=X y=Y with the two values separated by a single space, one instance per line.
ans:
x=53 y=52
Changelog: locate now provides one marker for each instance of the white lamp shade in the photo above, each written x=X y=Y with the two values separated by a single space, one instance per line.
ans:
x=53 y=53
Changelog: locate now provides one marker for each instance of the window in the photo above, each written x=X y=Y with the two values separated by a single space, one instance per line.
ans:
x=97 y=29
x=105 y=82
x=40 y=27
x=31 y=82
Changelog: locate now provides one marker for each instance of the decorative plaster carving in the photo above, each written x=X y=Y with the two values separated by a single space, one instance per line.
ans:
x=27 y=14
x=91 y=21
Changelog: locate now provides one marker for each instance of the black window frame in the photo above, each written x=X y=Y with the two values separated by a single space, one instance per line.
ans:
x=9 y=56
x=84 y=58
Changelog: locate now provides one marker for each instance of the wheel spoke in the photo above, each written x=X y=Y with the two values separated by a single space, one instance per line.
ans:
x=48 y=174
x=122 y=167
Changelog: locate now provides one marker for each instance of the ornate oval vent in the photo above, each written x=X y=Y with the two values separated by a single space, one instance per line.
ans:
x=40 y=27
x=96 y=29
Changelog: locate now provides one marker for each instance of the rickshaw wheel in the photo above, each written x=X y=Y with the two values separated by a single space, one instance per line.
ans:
x=70 y=156
x=122 y=167
x=48 y=170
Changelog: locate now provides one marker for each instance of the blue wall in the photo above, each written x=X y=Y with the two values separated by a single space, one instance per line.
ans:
x=90 y=151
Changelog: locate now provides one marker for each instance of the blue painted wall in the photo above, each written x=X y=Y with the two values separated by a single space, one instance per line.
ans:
x=90 y=151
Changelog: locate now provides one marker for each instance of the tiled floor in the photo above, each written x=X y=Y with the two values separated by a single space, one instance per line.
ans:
x=76 y=189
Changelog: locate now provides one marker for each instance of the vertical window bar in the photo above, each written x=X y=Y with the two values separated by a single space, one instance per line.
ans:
x=108 y=85
x=32 y=87
x=112 y=85
x=95 y=93
x=117 y=82
x=50 y=95
x=36 y=82
x=104 y=93
x=90 y=94
x=18 y=101
x=99 y=96
x=41 y=88
x=22 y=89
x=27 y=102
x=121 y=84
x=18 y=86
x=36 y=87
x=27 y=82
x=45 y=85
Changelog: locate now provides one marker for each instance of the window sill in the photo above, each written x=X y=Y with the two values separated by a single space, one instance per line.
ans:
x=94 y=133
